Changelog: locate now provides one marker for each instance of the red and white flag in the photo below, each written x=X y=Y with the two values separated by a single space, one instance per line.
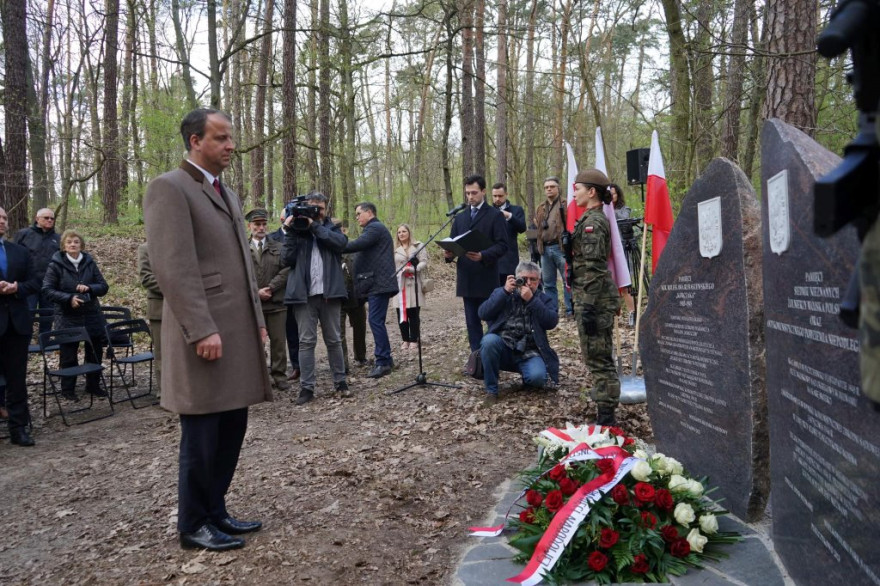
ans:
x=658 y=209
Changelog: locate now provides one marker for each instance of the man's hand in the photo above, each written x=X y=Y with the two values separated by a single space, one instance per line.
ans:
x=507 y=215
x=264 y=334
x=510 y=284
x=525 y=292
x=265 y=294
x=448 y=254
x=7 y=288
x=475 y=256
x=210 y=348
x=75 y=302
x=82 y=288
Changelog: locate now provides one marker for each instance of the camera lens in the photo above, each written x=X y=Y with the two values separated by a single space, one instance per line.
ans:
x=520 y=281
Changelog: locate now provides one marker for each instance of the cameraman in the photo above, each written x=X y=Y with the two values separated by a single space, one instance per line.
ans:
x=519 y=317
x=315 y=288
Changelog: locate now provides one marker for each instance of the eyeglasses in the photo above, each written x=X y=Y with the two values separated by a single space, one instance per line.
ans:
x=531 y=279
x=47 y=217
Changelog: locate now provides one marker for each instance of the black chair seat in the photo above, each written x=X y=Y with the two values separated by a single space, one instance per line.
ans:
x=129 y=334
x=136 y=358
x=35 y=348
x=79 y=370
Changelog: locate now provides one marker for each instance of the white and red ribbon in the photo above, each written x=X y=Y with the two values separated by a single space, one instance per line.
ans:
x=402 y=295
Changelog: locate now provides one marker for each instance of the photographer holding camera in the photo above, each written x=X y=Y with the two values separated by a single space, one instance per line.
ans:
x=73 y=282
x=519 y=316
x=593 y=291
x=313 y=248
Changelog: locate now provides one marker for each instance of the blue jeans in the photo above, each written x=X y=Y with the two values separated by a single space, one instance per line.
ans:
x=378 y=311
x=496 y=356
x=472 y=320
x=553 y=262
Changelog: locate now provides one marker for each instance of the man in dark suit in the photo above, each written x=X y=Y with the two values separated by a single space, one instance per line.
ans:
x=17 y=281
x=212 y=326
x=477 y=272
x=515 y=222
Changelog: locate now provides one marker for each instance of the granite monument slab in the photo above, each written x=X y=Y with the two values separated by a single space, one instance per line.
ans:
x=825 y=448
x=702 y=341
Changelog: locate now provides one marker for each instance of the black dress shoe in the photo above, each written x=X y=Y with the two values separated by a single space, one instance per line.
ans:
x=209 y=537
x=233 y=526
x=69 y=395
x=97 y=392
x=380 y=371
x=21 y=437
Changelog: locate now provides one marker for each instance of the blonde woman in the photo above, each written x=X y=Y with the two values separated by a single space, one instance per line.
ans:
x=409 y=278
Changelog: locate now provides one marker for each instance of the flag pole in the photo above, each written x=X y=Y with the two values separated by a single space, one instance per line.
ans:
x=641 y=285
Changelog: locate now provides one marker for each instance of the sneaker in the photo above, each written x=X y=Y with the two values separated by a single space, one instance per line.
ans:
x=305 y=395
x=343 y=390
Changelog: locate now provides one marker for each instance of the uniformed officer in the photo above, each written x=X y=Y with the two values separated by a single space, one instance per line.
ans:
x=594 y=293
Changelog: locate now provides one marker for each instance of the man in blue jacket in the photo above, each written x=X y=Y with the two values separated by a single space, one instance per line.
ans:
x=315 y=289
x=519 y=316
x=514 y=223
x=374 y=279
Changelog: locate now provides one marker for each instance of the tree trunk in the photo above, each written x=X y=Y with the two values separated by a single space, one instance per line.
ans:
x=325 y=184
x=529 y=105
x=14 y=195
x=183 y=54
x=704 y=83
x=681 y=88
x=759 y=66
x=735 y=66
x=38 y=104
x=447 y=115
x=479 y=133
x=791 y=42
x=288 y=101
x=111 y=169
x=348 y=115
x=558 y=151
x=258 y=156
x=501 y=83
x=466 y=12
x=312 y=121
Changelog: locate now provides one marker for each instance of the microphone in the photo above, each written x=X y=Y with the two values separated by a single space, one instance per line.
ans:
x=456 y=209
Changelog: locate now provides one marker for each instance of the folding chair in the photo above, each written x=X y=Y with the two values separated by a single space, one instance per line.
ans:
x=50 y=342
x=113 y=314
x=43 y=319
x=136 y=334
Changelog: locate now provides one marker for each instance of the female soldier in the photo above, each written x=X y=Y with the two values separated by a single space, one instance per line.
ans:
x=593 y=291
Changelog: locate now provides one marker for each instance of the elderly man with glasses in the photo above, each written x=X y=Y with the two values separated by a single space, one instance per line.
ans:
x=42 y=241
x=519 y=316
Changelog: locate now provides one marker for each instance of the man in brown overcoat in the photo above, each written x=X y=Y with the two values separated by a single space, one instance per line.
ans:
x=154 y=309
x=212 y=326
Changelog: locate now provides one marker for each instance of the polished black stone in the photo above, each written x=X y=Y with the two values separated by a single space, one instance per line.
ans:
x=824 y=446
x=702 y=345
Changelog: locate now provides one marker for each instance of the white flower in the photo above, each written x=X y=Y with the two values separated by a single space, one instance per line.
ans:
x=709 y=524
x=658 y=462
x=641 y=471
x=696 y=540
x=674 y=466
x=684 y=513
x=695 y=488
x=641 y=454
x=679 y=483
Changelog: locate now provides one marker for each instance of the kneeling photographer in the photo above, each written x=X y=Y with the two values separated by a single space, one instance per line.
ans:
x=313 y=248
x=519 y=316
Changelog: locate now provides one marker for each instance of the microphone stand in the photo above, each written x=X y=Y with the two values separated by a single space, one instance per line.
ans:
x=422 y=376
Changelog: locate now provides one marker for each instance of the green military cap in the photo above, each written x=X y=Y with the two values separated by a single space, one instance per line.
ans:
x=257 y=214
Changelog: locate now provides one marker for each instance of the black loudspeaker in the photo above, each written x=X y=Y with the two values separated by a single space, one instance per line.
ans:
x=637 y=166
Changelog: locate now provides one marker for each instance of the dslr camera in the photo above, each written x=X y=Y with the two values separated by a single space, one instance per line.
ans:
x=301 y=212
x=520 y=282
x=84 y=297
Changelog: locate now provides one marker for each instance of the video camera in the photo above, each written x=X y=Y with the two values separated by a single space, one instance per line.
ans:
x=301 y=212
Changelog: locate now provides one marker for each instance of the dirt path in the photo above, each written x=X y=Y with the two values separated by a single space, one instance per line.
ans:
x=377 y=489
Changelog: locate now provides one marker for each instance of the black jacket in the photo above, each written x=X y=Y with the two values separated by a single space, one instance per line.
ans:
x=297 y=254
x=59 y=285
x=479 y=279
x=374 y=264
x=515 y=225
x=42 y=246
x=14 y=314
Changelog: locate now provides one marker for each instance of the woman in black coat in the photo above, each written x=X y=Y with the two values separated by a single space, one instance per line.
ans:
x=73 y=282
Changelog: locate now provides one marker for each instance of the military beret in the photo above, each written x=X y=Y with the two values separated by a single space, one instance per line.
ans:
x=257 y=214
x=592 y=177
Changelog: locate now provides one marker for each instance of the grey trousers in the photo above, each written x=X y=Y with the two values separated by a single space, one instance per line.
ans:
x=308 y=315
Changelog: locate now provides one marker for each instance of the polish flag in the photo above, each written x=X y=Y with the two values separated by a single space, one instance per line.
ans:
x=658 y=209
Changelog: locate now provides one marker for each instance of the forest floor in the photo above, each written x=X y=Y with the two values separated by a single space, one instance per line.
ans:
x=376 y=489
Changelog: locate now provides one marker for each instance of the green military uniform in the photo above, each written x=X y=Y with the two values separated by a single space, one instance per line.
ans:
x=869 y=313
x=270 y=271
x=593 y=285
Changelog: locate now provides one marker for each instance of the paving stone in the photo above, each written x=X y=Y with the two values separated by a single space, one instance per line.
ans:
x=489 y=552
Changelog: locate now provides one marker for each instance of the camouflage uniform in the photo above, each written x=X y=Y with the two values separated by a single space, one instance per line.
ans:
x=869 y=314
x=592 y=285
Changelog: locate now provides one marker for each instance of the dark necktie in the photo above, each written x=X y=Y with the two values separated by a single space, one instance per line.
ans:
x=217 y=185
x=473 y=213
x=3 y=265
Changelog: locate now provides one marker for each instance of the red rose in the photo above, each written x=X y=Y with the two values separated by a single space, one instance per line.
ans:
x=608 y=538
x=597 y=561
x=527 y=516
x=568 y=486
x=617 y=431
x=553 y=502
x=680 y=548
x=648 y=520
x=644 y=492
x=669 y=533
x=640 y=564
x=605 y=465
x=663 y=499
x=629 y=441
x=557 y=473
x=620 y=495
x=534 y=498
